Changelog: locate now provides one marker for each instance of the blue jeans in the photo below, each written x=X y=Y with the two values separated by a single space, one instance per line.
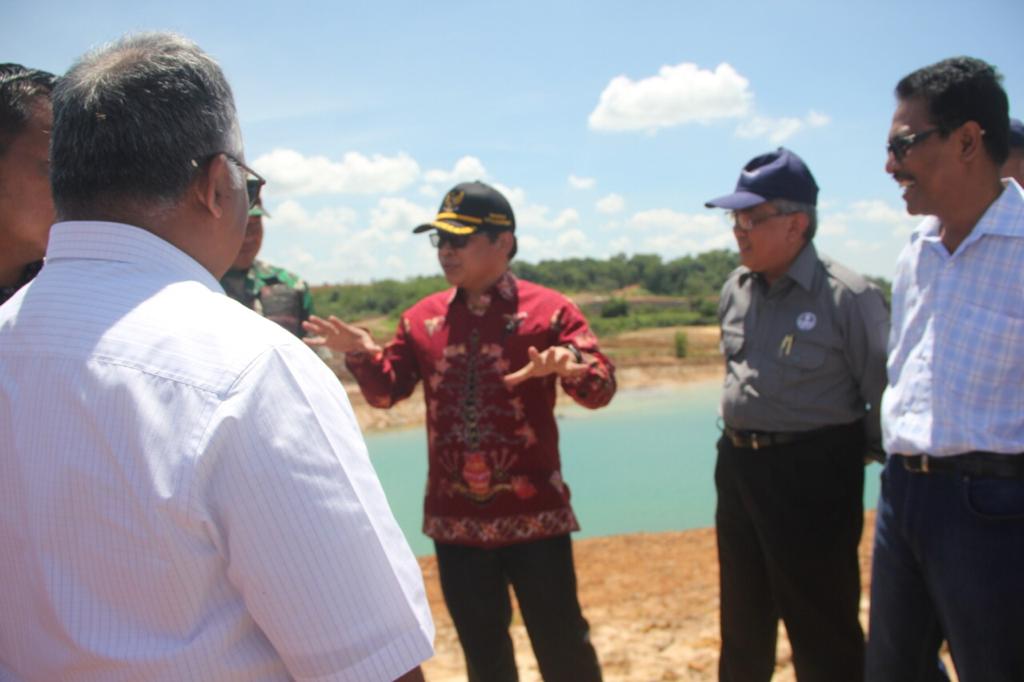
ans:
x=948 y=563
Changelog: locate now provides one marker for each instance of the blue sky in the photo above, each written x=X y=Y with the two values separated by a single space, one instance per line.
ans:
x=607 y=124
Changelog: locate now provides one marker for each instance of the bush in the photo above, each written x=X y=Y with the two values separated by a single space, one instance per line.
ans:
x=682 y=343
x=615 y=307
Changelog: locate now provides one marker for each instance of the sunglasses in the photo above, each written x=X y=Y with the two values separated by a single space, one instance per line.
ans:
x=455 y=241
x=899 y=145
x=253 y=182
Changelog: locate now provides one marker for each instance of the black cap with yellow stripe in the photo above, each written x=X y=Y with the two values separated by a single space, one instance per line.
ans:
x=471 y=207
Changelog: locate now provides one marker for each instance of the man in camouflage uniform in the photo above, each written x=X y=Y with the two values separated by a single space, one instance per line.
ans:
x=272 y=292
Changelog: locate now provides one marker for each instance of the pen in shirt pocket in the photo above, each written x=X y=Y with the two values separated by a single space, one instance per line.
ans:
x=786 y=346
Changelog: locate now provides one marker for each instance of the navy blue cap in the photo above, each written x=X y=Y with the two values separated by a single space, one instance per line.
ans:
x=776 y=175
x=1016 y=132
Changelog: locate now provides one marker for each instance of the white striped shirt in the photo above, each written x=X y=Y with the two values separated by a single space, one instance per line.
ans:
x=956 y=350
x=184 y=490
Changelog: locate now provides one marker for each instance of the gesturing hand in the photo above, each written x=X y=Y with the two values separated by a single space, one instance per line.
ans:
x=554 y=360
x=338 y=335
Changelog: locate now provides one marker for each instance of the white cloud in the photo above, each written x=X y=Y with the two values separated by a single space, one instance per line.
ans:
x=466 y=169
x=684 y=223
x=777 y=130
x=291 y=215
x=678 y=94
x=866 y=235
x=568 y=244
x=873 y=212
x=338 y=244
x=290 y=173
x=581 y=183
x=816 y=119
x=673 y=234
x=535 y=216
x=398 y=215
x=613 y=203
x=621 y=245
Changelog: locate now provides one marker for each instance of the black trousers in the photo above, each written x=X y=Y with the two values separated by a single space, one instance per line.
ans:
x=788 y=522
x=475 y=584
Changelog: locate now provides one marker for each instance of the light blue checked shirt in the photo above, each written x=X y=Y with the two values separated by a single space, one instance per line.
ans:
x=956 y=349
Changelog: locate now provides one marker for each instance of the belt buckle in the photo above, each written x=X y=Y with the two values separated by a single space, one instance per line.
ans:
x=922 y=468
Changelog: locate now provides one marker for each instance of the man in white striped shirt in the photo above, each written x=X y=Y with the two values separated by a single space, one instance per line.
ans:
x=184 y=492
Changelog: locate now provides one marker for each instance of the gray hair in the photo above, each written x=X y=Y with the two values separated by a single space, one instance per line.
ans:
x=785 y=206
x=131 y=122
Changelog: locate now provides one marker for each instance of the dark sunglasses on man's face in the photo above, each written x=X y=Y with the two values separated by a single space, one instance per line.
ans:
x=253 y=182
x=899 y=145
x=456 y=241
x=252 y=190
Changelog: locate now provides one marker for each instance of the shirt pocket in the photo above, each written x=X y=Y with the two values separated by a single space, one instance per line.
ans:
x=804 y=367
x=807 y=353
x=984 y=352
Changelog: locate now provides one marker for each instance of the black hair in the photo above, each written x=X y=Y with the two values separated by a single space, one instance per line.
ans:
x=20 y=86
x=962 y=89
x=493 y=236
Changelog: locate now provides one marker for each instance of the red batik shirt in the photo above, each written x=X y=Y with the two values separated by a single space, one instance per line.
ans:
x=495 y=474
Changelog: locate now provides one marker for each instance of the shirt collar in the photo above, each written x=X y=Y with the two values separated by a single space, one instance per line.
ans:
x=118 y=242
x=801 y=270
x=1004 y=217
x=506 y=287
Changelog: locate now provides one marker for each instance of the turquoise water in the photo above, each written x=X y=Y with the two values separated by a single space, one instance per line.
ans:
x=644 y=463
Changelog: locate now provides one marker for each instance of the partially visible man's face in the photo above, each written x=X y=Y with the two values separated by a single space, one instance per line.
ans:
x=773 y=242
x=250 y=244
x=476 y=265
x=927 y=170
x=1014 y=166
x=26 y=203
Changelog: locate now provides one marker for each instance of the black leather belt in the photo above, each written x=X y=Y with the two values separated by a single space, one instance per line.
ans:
x=766 y=439
x=982 y=464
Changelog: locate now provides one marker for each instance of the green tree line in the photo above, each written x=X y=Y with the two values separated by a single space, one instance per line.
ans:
x=660 y=293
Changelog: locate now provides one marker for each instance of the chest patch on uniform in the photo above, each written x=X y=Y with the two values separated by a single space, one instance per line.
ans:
x=805 y=322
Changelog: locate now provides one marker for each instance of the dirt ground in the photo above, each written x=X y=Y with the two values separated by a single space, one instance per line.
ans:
x=652 y=604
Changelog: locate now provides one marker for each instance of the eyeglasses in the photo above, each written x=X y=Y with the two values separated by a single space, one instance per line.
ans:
x=746 y=223
x=899 y=145
x=253 y=184
x=456 y=241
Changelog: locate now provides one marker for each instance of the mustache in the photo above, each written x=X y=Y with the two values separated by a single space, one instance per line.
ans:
x=899 y=177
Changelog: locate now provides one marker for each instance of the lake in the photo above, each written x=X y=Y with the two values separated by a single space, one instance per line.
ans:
x=645 y=463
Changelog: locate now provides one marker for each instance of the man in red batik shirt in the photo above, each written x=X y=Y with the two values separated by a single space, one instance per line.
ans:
x=490 y=352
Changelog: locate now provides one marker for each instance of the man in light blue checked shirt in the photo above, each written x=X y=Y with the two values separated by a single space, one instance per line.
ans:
x=949 y=541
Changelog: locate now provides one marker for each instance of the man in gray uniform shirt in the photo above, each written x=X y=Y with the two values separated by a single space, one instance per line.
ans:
x=804 y=341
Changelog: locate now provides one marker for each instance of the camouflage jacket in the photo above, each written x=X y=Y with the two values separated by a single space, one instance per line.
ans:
x=272 y=292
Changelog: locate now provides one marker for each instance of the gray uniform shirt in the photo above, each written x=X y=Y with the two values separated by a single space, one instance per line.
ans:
x=808 y=351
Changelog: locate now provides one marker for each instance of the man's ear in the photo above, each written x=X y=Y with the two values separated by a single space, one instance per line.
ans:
x=798 y=226
x=505 y=241
x=213 y=185
x=971 y=139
